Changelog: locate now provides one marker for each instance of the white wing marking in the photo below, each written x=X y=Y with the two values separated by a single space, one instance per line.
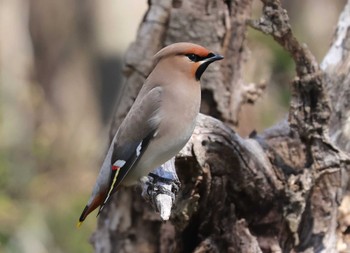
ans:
x=119 y=163
x=138 y=149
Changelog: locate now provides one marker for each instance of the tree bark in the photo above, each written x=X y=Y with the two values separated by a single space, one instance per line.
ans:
x=276 y=191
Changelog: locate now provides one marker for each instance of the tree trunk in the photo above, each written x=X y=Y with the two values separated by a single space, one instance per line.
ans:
x=276 y=191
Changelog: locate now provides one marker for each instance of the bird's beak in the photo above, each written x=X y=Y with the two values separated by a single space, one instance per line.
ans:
x=215 y=57
x=205 y=63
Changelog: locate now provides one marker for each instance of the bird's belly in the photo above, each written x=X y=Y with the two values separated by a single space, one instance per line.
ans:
x=157 y=153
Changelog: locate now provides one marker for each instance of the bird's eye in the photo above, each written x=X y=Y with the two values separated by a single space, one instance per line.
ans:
x=193 y=57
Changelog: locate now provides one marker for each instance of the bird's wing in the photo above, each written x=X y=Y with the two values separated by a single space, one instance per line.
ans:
x=134 y=135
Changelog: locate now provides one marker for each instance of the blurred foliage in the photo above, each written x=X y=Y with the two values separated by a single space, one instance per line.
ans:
x=51 y=88
x=267 y=62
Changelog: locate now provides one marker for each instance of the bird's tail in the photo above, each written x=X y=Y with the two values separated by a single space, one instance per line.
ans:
x=97 y=201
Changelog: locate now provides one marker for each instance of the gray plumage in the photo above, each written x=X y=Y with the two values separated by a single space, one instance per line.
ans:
x=159 y=123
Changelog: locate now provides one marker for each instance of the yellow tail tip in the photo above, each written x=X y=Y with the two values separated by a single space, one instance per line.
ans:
x=79 y=224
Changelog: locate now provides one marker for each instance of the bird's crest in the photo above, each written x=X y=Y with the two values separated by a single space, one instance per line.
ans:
x=182 y=48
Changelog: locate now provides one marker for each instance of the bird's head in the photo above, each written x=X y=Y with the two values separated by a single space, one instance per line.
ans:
x=189 y=58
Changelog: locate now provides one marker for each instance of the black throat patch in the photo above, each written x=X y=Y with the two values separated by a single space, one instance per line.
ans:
x=201 y=69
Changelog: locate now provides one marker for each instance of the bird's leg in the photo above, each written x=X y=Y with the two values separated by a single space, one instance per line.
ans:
x=160 y=188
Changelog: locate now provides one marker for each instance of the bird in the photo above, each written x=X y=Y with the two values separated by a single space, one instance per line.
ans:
x=159 y=123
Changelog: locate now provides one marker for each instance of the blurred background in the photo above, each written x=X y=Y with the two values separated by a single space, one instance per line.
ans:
x=60 y=76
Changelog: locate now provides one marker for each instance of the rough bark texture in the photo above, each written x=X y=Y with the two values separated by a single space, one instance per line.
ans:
x=336 y=66
x=277 y=191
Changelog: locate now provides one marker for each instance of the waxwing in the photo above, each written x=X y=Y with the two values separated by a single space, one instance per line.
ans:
x=159 y=123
